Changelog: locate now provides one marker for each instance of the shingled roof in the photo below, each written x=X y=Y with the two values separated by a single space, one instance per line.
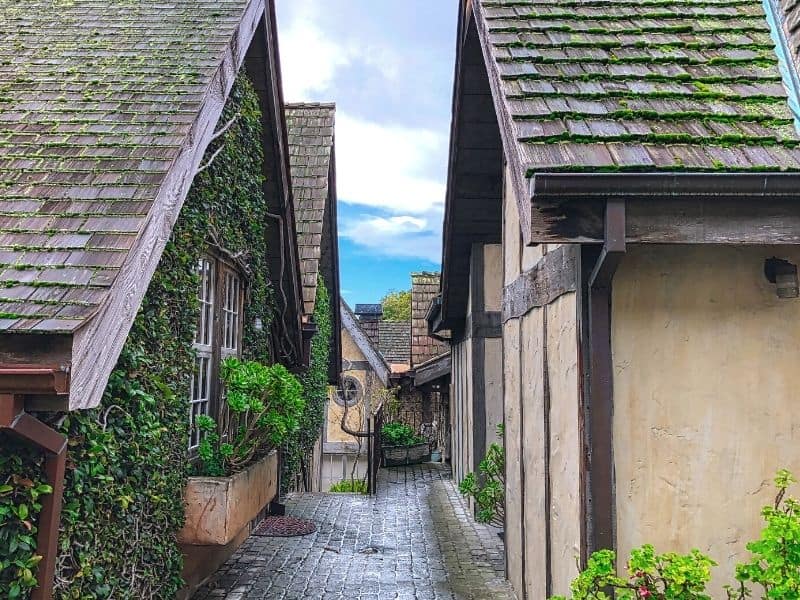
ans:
x=394 y=341
x=628 y=85
x=106 y=111
x=311 y=134
x=97 y=102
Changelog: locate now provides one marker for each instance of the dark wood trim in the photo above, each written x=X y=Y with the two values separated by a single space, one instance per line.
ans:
x=478 y=307
x=700 y=219
x=433 y=370
x=601 y=398
x=548 y=486
x=486 y=324
x=522 y=474
x=553 y=276
x=588 y=257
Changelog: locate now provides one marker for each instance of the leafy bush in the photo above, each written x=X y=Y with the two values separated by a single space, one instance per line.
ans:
x=488 y=488
x=263 y=405
x=298 y=447
x=19 y=508
x=400 y=434
x=353 y=486
x=774 y=566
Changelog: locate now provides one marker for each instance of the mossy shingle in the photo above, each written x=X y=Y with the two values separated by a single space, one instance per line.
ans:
x=684 y=85
x=97 y=97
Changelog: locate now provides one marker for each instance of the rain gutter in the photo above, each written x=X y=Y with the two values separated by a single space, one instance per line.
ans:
x=16 y=382
x=562 y=186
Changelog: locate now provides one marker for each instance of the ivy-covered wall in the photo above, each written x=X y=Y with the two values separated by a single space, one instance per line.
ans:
x=315 y=387
x=128 y=459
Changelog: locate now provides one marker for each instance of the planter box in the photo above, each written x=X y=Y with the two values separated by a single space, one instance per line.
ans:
x=218 y=508
x=395 y=456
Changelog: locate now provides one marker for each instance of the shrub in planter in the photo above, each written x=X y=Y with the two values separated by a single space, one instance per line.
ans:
x=400 y=434
x=263 y=405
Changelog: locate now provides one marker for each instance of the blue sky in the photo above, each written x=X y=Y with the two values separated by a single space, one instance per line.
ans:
x=389 y=68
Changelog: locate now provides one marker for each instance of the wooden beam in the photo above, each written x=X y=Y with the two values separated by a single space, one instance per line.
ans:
x=553 y=276
x=723 y=220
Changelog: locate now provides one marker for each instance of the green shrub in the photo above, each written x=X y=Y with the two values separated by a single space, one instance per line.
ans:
x=263 y=405
x=298 y=446
x=400 y=434
x=19 y=508
x=488 y=489
x=353 y=486
x=774 y=566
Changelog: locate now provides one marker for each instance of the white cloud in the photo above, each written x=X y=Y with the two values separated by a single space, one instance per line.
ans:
x=310 y=57
x=399 y=236
x=385 y=165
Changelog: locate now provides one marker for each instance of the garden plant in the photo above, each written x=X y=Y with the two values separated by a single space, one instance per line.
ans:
x=774 y=567
x=263 y=406
x=488 y=487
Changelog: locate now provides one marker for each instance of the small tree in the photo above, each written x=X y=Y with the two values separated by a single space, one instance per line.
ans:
x=397 y=306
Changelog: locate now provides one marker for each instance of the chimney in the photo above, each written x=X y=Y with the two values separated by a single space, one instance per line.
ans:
x=424 y=288
x=369 y=316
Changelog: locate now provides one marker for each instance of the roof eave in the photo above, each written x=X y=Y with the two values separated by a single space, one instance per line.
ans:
x=662 y=185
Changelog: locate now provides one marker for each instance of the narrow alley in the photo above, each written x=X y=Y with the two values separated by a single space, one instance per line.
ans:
x=416 y=539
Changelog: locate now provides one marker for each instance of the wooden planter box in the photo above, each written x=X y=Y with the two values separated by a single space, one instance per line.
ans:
x=395 y=456
x=219 y=508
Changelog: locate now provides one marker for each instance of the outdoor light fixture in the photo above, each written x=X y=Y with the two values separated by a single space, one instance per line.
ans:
x=784 y=275
x=258 y=324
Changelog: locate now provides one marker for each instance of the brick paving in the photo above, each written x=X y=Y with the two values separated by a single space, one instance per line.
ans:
x=415 y=540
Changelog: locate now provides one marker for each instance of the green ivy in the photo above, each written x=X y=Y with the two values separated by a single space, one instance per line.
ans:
x=128 y=459
x=299 y=446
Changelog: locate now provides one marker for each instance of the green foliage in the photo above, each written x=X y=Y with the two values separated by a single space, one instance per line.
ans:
x=128 y=459
x=489 y=487
x=400 y=434
x=20 y=505
x=263 y=407
x=397 y=306
x=774 y=566
x=299 y=445
x=352 y=486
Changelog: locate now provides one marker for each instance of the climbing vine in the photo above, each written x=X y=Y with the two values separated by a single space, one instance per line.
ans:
x=128 y=459
x=315 y=390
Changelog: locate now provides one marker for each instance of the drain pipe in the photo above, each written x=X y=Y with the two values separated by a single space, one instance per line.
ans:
x=600 y=405
x=30 y=430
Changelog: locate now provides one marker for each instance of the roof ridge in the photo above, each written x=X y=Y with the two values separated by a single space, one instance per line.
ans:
x=302 y=105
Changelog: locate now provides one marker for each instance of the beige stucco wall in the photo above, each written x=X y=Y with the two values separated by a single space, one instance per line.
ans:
x=544 y=335
x=705 y=397
x=565 y=440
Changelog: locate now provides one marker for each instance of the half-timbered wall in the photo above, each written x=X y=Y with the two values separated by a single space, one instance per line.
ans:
x=542 y=419
x=477 y=402
x=705 y=397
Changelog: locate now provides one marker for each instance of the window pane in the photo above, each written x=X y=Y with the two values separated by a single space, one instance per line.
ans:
x=205 y=295
x=230 y=312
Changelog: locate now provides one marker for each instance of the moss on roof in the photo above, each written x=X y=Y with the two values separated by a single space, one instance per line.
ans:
x=624 y=85
x=97 y=97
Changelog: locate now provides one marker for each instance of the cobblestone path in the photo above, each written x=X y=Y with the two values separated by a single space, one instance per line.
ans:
x=416 y=540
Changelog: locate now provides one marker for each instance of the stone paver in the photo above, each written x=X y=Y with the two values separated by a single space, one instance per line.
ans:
x=415 y=540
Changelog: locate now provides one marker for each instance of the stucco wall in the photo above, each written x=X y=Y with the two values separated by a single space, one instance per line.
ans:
x=540 y=354
x=705 y=397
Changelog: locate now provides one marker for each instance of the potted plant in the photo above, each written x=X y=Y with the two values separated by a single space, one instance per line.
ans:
x=237 y=469
x=400 y=445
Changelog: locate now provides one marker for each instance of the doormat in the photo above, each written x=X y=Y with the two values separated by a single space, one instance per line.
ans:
x=284 y=527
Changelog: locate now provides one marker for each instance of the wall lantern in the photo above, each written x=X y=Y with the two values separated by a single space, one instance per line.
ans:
x=258 y=324
x=784 y=275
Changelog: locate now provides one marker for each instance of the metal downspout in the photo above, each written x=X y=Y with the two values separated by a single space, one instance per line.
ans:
x=15 y=421
x=600 y=405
